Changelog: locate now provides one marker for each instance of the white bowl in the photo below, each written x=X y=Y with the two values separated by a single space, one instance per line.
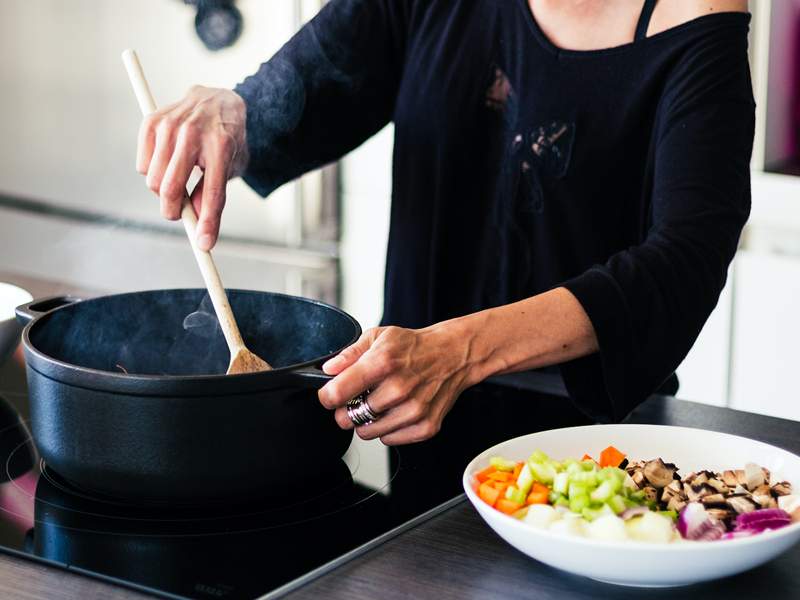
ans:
x=11 y=297
x=639 y=563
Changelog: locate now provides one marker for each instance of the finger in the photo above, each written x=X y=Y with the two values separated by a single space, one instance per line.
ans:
x=364 y=374
x=173 y=186
x=412 y=434
x=349 y=355
x=165 y=144
x=401 y=417
x=211 y=203
x=146 y=143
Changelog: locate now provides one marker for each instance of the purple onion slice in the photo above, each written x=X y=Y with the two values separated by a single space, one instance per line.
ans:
x=761 y=520
x=695 y=524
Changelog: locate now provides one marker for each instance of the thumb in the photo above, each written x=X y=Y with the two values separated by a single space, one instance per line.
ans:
x=351 y=354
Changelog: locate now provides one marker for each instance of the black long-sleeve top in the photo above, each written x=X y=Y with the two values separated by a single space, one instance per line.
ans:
x=620 y=174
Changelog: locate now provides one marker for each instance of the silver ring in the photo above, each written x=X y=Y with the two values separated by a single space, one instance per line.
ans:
x=359 y=410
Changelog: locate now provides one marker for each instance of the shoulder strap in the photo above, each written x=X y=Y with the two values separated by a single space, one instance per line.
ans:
x=644 y=19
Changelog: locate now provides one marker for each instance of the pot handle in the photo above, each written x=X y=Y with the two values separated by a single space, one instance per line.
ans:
x=312 y=376
x=41 y=306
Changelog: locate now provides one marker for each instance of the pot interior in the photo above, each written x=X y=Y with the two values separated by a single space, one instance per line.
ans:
x=175 y=332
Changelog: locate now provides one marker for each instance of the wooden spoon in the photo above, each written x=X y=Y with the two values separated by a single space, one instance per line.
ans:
x=242 y=359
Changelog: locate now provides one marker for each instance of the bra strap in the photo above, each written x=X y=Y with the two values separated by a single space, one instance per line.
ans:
x=644 y=19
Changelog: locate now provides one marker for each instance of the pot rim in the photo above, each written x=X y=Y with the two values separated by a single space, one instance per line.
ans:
x=141 y=384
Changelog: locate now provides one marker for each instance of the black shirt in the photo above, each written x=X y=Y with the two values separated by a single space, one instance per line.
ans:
x=620 y=174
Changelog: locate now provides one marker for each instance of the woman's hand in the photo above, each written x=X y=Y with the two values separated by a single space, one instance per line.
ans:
x=206 y=129
x=415 y=376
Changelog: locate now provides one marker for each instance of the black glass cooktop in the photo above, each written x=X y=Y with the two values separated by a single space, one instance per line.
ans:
x=249 y=548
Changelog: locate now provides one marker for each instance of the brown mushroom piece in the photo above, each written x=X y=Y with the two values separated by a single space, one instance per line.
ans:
x=783 y=488
x=741 y=504
x=659 y=474
x=650 y=493
x=729 y=479
x=718 y=485
x=720 y=514
x=676 y=503
x=638 y=478
x=713 y=499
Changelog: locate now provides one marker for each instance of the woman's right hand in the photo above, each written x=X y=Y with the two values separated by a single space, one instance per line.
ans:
x=206 y=129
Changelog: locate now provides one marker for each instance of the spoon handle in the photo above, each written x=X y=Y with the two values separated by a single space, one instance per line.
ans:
x=204 y=259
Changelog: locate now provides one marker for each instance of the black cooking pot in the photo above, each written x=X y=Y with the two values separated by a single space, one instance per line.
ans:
x=128 y=395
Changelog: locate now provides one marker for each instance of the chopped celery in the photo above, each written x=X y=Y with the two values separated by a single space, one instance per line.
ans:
x=578 y=503
x=590 y=514
x=542 y=472
x=560 y=483
x=671 y=514
x=605 y=490
x=577 y=489
x=515 y=494
x=588 y=465
x=501 y=464
x=525 y=479
x=587 y=478
x=539 y=457
x=574 y=468
x=554 y=497
x=562 y=501
x=617 y=504
x=612 y=473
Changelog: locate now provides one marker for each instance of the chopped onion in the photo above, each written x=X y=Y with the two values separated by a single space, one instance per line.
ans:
x=695 y=524
x=761 y=520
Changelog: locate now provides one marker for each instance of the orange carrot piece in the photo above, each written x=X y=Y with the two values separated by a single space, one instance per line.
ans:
x=587 y=457
x=517 y=471
x=507 y=506
x=540 y=488
x=537 y=498
x=611 y=457
x=482 y=476
x=488 y=494
x=500 y=486
x=500 y=476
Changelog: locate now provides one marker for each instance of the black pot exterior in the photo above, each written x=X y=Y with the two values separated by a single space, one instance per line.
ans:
x=186 y=438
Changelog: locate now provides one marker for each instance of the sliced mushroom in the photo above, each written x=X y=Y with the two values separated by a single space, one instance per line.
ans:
x=729 y=479
x=713 y=499
x=659 y=474
x=696 y=492
x=676 y=503
x=650 y=493
x=718 y=485
x=783 y=488
x=720 y=514
x=741 y=504
x=638 y=478
x=741 y=478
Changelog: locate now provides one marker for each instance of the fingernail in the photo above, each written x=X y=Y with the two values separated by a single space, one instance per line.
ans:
x=205 y=242
x=336 y=361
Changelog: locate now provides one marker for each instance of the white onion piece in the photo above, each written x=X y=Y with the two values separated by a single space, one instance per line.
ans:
x=695 y=524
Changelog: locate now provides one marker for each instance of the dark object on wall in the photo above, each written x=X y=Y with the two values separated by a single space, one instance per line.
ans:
x=114 y=410
x=218 y=22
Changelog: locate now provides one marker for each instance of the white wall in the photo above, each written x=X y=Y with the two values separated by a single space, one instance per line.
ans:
x=68 y=119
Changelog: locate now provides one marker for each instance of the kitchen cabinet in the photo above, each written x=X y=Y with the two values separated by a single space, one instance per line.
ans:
x=764 y=367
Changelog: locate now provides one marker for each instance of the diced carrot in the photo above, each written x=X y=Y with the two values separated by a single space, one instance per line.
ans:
x=587 y=457
x=507 y=506
x=517 y=471
x=475 y=485
x=482 y=476
x=537 y=498
x=500 y=486
x=500 y=476
x=539 y=494
x=611 y=457
x=488 y=494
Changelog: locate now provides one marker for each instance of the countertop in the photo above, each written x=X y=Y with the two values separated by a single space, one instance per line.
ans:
x=455 y=555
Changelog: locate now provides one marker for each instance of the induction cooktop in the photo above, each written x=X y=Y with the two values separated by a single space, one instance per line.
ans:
x=252 y=548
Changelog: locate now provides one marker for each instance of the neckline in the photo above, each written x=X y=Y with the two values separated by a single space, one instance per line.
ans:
x=548 y=45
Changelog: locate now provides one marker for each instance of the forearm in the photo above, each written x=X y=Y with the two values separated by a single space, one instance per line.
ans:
x=543 y=330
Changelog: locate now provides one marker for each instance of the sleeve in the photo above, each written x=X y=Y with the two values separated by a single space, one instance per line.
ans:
x=648 y=303
x=328 y=89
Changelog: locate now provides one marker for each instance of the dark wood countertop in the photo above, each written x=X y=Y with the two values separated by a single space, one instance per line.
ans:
x=456 y=555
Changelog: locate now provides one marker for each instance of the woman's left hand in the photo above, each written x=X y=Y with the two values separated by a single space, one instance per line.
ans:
x=415 y=376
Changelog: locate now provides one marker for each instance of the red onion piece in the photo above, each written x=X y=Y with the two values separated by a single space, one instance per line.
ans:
x=761 y=520
x=695 y=524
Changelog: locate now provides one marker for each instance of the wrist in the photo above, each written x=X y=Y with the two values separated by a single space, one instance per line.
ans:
x=469 y=339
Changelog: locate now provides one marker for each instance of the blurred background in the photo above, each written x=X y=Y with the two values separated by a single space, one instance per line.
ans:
x=76 y=217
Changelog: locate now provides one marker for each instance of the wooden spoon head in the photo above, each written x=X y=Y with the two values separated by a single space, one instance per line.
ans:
x=245 y=361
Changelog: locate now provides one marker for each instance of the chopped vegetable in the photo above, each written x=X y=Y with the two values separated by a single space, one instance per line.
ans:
x=500 y=476
x=501 y=464
x=488 y=494
x=694 y=523
x=650 y=527
x=762 y=520
x=483 y=475
x=611 y=457
x=516 y=495
x=539 y=494
x=508 y=506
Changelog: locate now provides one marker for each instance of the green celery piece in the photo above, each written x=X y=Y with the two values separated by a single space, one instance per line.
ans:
x=502 y=464
x=603 y=492
x=515 y=494
x=668 y=513
x=586 y=478
x=560 y=483
x=612 y=473
x=542 y=472
x=554 y=497
x=588 y=465
x=617 y=504
x=578 y=503
x=577 y=489
x=590 y=514
x=573 y=468
x=539 y=456
x=561 y=502
x=525 y=479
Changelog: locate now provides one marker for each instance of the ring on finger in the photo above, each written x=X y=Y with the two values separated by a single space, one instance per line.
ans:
x=359 y=410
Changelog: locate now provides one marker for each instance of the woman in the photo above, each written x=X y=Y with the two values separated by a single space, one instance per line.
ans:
x=570 y=182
